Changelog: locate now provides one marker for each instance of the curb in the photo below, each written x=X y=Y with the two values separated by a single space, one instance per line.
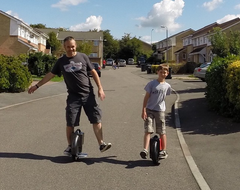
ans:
x=191 y=163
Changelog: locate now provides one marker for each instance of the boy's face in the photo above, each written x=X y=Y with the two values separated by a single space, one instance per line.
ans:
x=163 y=73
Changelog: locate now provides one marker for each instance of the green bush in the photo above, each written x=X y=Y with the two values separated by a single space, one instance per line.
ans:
x=40 y=64
x=233 y=86
x=216 y=89
x=14 y=76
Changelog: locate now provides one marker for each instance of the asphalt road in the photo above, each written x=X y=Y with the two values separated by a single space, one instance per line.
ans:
x=33 y=139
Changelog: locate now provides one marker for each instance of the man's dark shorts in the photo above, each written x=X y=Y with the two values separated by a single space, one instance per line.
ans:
x=74 y=107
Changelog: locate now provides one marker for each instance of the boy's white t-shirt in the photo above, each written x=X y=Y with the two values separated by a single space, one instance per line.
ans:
x=158 y=92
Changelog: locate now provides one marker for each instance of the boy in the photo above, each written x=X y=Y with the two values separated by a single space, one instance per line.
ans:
x=154 y=109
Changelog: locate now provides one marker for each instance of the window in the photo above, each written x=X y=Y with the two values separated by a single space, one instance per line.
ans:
x=95 y=43
x=184 y=55
x=93 y=55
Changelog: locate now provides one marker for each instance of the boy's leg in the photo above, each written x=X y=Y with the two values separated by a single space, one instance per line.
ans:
x=163 y=141
x=161 y=130
x=146 y=141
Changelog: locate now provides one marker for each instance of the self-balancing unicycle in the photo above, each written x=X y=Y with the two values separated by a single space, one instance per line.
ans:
x=155 y=148
x=77 y=139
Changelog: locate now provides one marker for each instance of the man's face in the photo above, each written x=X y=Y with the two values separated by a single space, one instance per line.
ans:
x=70 y=48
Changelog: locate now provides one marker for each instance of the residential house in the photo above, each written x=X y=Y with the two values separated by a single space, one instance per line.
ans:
x=197 y=46
x=94 y=38
x=17 y=37
x=166 y=48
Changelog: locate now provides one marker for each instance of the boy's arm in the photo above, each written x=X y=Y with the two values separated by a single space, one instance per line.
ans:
x=145 y=100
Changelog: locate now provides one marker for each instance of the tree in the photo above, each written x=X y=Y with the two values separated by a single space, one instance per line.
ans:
x=234 y=42
x=84 y=47
x=53 y=43
x=38 y=25
x=110 y=45
x=219 y=42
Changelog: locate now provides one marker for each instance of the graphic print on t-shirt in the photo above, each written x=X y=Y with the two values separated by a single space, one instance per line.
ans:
x=73 y=67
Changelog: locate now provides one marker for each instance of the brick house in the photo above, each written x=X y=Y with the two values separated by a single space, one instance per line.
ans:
x=197 y=46
x=17 y=37
x=166 y=48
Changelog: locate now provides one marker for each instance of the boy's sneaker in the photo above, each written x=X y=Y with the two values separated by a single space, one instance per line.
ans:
x=105 y=146
x=67 y=152
x=144 y=154
x=163 y=154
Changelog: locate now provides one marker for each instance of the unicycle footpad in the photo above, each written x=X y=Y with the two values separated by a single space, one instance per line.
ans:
x=154 y=149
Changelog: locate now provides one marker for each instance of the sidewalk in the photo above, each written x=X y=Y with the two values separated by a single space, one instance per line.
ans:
x=213 y=140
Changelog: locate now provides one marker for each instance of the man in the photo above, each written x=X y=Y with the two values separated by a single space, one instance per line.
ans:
x=74 y=67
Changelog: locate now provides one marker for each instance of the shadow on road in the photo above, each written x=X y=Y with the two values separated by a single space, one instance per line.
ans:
x=195 y=90
x=197 y=119
x=89 y=161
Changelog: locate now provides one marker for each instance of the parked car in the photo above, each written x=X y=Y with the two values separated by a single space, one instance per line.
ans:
x=130 y=61
x=200 y=72
x=97 y=67
x=109 y=62
x=122 y=63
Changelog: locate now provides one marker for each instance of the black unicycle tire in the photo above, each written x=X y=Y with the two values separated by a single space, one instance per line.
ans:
x=75 y=146
x=155 y=152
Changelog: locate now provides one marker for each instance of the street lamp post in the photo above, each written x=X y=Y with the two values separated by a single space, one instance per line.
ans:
x=151 y=36
x=166 y=41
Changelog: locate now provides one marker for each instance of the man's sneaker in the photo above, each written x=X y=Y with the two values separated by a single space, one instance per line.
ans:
x=105 y=146
x=144 y=154
x=163 y=154
x=67 y=152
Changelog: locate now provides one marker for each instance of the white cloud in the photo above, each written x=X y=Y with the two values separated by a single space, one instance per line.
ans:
x=64 y=4
x=237 y=6
x=163 y=13
x=91 y=23
x=211 y=5
x=227 y=18
x=13 y=14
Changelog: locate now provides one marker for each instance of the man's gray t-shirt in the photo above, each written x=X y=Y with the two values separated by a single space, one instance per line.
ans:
x=158 y=92
x=74 y=70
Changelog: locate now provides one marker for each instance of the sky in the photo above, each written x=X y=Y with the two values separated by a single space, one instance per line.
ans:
x=148 y=20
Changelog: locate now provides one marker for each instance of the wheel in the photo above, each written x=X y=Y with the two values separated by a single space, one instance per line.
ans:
x=76 y=145
x=155 y=152
x=154 y=149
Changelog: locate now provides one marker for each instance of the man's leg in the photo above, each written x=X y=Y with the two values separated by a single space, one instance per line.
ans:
x=97 y=128
x=69 y=131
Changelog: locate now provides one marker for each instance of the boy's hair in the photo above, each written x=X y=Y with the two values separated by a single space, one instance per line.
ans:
x=163 y=67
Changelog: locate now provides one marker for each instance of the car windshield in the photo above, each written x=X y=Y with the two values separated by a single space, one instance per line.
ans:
x=204 y=65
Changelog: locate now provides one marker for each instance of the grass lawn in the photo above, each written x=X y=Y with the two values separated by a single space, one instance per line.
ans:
x=55 y=79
